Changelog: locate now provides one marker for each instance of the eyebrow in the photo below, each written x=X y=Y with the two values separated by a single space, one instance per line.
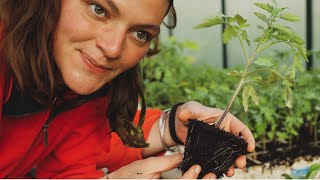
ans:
x=151 y=27
x=113 y=6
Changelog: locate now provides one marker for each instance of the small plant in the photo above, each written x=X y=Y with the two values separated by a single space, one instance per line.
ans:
x=259 y=70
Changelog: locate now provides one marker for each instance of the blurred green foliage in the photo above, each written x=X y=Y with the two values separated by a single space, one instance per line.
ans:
x=172 y=77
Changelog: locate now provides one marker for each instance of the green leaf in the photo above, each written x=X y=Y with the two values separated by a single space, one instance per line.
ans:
x=249 y=92
x=254 y=96
x=287 y=176
x=302 y=51
x=245 y=98
x=314 y=169
x=291 y=72
x=264 y=61
x=276 y=11
x=297 y=39
x=289 y=17
x=261 y=16
x=283 y=29
x=191 y=45
x=244 y=35
x=235 y=73
x=228 y=34
x=263 y=6
x=273 y=78
x=240 y=20
x=210 y=22
x=261 y=82
x=158 y=74
x=298 y=62
x=287 y=96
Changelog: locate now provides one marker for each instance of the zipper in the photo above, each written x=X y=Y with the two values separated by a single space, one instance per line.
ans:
x=45 y=127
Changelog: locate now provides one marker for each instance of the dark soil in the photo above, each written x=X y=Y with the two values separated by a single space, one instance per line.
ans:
x=277 y=153
x=215 y=150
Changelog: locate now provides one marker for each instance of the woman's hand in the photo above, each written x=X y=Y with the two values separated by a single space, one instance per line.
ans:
x=195 y=110
x=152 y=167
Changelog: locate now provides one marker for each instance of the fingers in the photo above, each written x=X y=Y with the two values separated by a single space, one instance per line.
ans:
x=192 y=173
x=241 y=162
x=230 y=171
x=165 y=163
x=237 y=127
x=248 y=137
x=209 y=176
x=195 y=110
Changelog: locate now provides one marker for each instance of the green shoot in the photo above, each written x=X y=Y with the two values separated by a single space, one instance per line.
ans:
x=272 y=33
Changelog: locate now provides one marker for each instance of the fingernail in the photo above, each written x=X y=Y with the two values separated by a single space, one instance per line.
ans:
x=197 y=169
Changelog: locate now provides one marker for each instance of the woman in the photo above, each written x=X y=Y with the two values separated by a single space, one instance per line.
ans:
x=69 y=75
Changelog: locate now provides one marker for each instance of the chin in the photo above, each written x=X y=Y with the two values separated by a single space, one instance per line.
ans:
x=82 y=90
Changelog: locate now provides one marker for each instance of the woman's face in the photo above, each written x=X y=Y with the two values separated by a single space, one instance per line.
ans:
x=96 y=40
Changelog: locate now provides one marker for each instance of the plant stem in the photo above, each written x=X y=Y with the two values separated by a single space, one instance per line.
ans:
x=246 y=70
x=230 y=102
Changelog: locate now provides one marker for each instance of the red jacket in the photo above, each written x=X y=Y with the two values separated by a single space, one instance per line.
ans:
x=80 y=142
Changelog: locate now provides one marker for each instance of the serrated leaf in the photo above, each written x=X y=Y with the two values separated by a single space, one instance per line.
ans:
x=298 y=62
x=273 y=78
x=245 y=37
x=254 y=96
x=287 y=96
x=249 y=92
x=297 y=39
x=283 y=29
x=281 y=36
x=261 y=82
x=240 y=20
x=263 y=6
x=264 y=61
x=276 y=11
x=291 y=73
x=302 y=51
x=261 y=16
x=210 y=22
x=235 y=73
x=228 y=34
x=245 y=98
x=289 y=17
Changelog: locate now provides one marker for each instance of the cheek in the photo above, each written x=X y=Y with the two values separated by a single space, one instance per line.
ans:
x=134 y=57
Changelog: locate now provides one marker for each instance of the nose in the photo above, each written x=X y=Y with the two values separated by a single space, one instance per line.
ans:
x=111 y=42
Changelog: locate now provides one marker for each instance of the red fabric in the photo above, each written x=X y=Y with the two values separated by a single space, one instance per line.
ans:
x=80 y=142
x=121 y=155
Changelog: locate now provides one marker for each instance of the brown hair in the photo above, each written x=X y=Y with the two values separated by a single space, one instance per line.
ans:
x=27 y=49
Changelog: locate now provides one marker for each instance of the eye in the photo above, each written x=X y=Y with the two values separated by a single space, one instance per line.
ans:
x=141 y=35
x=98 y=10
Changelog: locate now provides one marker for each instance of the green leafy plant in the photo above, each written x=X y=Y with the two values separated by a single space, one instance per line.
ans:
x=312 y=173
x=260 y=69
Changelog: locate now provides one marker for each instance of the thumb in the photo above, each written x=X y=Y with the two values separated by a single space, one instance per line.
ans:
x=168 y=162
x=184 y=115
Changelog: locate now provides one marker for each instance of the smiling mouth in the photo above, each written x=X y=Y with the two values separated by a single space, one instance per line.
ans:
x=93 y=65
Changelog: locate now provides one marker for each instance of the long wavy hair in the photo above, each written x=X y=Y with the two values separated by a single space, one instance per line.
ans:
x=27 y=50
